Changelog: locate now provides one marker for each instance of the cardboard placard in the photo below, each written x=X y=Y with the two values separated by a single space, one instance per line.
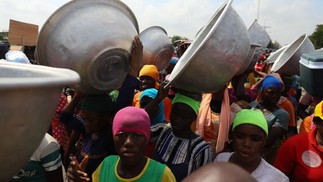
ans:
x=21 y=33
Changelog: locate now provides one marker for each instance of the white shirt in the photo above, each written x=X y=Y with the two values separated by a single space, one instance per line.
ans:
x=263 y=173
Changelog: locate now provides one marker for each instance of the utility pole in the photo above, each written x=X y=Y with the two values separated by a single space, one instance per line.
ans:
x=258 y=10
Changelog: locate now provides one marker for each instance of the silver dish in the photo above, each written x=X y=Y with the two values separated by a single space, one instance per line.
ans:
x=29 y=97
x=94 y=38
x=274 y=55
x=258 y=34
x=287 y=62
x=218 y=53
x=157 y=47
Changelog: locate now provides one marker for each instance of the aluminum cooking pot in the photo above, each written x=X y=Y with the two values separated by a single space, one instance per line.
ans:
x=287 y=62
x=157 y=47
x=252 y=58
x=274 y=55
x=29 y=96
x=215 y=56
x=258 y=34
x=94 y=38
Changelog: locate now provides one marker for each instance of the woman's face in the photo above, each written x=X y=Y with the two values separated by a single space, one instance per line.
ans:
x=249 y=141
x=271 y=95
x=95 y=122
x=147 y=82
x=130 y=146
x=181 y=117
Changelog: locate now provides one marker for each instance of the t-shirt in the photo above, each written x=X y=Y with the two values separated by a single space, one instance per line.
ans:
x=287 y=105
x=263 y=173
x=300 y=158
x=46 y=158
x=279 y=117
x=153 y=171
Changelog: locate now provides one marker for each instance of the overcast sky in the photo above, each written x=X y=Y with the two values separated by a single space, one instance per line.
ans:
x=284 y=20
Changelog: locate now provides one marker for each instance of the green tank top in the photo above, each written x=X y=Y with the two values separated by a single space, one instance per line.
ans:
x=153 y=171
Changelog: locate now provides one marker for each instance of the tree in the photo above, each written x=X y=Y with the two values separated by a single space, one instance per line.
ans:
x=317 y=37
x=4 y=35
x=273 y=45
x=175 y=38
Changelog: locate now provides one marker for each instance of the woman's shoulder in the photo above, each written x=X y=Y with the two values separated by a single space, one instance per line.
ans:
x=281 y=113
x=254 y=104
x=267 y=172
x=223 y=157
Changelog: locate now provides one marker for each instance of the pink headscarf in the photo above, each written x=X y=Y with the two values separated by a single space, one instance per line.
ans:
x=132 y=119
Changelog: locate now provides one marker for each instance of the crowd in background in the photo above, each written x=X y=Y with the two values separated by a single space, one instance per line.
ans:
x=261 y=121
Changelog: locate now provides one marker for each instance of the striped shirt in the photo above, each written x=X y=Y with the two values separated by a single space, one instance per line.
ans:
x=46 y=158
x=174 y=149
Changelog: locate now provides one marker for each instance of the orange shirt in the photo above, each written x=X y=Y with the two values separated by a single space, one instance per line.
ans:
x=136 y=99
x=306 y=124
x=287 y=105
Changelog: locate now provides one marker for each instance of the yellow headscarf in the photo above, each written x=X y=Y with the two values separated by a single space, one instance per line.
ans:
x=149 y=70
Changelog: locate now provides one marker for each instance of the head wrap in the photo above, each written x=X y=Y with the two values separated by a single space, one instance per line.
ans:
x=251 y=116
x=149 y=70
x=132 y=119
x=17 y=57
x=180 y=98
x=152 y=93
x=98 y=103
x=270 y=81
x=174 y=60
x=318 y=112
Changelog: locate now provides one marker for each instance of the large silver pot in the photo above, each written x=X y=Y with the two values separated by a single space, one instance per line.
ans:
x=94 y=38
x=252 y=58
x=29 y=96
x=157 y=47
x=215 y=56
x=274 y=55
x=287 y=62
x=258 y=34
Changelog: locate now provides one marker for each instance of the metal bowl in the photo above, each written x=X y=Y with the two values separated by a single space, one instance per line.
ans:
x=215 y=56
x=94 y=38
x=252 y=59
x=274 y=55
x=29 y=96
x=157 y=47
x=287 y=62
x=258 y=34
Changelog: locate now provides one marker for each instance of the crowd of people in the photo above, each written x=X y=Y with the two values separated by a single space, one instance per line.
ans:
x=260 y=126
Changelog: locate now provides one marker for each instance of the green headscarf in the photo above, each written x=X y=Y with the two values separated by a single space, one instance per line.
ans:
x=251 y=116
x=180 y=98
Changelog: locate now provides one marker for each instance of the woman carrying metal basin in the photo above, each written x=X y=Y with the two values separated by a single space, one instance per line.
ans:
x=215 y=56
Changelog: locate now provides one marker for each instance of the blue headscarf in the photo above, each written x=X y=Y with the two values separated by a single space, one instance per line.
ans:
x=152 y=93
x=271 y=81
x=174 y=60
